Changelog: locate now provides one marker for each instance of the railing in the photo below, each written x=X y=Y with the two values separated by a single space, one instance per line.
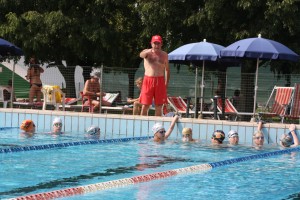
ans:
x=182 y=83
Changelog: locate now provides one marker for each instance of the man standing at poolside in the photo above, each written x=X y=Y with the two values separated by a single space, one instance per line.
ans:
x=156 y=78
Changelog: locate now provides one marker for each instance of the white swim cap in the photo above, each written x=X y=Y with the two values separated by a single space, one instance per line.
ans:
x=232 y=133
x=96 y=72
x=93 y=130
x=56 y=120
x=156 y=127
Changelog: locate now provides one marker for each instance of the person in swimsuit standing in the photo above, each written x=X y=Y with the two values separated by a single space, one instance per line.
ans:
x=156 y=78
x=33 y=75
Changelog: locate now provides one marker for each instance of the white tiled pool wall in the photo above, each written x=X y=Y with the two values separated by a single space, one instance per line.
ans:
x=121 y=126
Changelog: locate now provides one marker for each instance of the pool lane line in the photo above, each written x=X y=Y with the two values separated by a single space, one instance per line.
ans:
x=147 y=177
x=7 y=128
x=112 y=184
x=68 y=144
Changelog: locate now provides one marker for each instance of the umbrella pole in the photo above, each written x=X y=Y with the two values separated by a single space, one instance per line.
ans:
x=255 y=91
x=196 y=91
x=12 y=94
x=202 y=88
x=100 y=82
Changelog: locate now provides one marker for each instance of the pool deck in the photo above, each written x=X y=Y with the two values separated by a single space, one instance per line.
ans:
x=121 y=125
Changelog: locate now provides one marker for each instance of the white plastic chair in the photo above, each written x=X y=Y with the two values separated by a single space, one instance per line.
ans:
x=5 y=102
x=53 y=96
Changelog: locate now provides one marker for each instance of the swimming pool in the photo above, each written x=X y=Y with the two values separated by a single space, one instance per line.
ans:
x=46 y=163
x=43 y=170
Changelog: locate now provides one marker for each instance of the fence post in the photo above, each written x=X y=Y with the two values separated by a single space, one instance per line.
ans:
x=215 y=107
x=188 y=103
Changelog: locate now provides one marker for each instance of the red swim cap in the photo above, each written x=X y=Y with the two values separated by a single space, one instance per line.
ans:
x=27 y=125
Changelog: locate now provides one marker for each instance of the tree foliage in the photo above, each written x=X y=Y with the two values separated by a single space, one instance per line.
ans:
x=113 y=32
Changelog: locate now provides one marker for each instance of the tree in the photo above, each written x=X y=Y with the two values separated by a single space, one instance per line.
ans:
x=83 y=33
x=228 y=21
x=112 y=33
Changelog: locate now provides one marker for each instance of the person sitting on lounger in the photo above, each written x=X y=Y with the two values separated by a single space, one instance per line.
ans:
x=92 y=89
x=137 y=106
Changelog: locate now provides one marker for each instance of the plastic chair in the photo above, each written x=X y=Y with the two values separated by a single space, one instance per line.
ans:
x=5 y=102
x=53 y=95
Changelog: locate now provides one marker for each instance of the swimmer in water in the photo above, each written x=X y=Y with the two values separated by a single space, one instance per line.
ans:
x=57 y=126
x=28 y=127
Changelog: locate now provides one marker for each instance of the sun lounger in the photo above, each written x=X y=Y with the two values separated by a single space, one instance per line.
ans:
x=282 y=99
x=109 y=97
x=295 y=105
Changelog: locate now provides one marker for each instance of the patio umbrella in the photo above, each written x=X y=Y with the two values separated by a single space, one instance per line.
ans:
x=8 y=49
x=260 y=49
x=193 y=53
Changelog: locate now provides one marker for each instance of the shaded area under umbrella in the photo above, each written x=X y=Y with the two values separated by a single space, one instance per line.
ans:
x=260 y=49
x=194 y=53
x=7 y=50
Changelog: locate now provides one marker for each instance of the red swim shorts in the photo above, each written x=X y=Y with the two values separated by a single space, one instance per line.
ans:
x=153 y=88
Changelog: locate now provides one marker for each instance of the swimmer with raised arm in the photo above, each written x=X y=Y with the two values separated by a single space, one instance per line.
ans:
x=258 y=136
x=290 y=139
x=160 y=134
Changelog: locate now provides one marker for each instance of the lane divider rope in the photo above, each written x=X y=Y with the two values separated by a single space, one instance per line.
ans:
x=7 y=128
x=147 y=177
x=68 y=144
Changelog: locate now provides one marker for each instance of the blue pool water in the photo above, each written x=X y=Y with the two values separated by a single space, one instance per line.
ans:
x=44 y=170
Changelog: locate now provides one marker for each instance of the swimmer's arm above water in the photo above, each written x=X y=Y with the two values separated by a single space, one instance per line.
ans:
x=169 y=131
x=294 y=135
